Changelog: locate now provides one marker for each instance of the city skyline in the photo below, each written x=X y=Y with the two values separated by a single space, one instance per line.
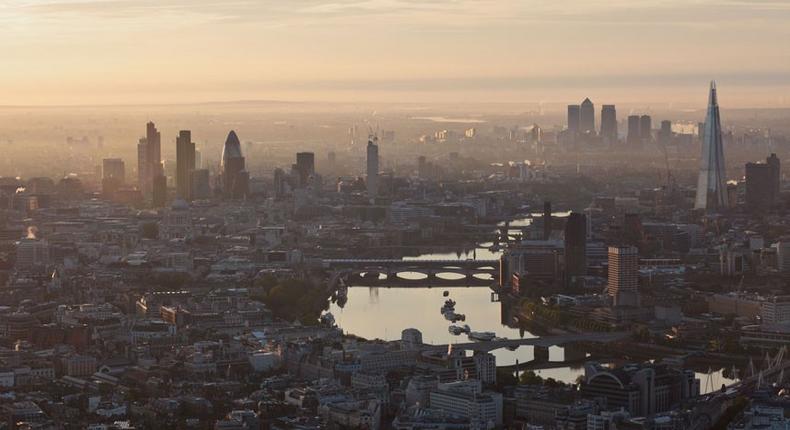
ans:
x=117 y=52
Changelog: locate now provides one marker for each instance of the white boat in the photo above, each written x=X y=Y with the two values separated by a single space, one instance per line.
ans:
x=483 y=336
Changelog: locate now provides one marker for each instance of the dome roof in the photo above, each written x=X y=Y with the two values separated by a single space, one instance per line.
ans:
x=232 y=148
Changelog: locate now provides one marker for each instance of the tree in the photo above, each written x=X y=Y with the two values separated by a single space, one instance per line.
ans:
x=149 y=230
x=530 y=378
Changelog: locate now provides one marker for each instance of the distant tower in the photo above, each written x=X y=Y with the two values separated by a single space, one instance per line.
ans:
x=159 y=191
x=185 y=164
x=234 y=182
x=305 y=167
x=574 y=117
x=373 y=167
x=634 y=134
x=712 y=182
x=665 y=133
x=587 y=117
x=547 y=227
x=143 y=166
x=776 y=172
x=575 y=248
x=609 y=123
x=149 y=158
x=646 y=128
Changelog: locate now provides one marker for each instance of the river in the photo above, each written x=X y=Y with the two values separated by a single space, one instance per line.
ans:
x=382 y=313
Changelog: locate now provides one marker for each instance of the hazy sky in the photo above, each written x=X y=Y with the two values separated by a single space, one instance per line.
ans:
x=143 y=51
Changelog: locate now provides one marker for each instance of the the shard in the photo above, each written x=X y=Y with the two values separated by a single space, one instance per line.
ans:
x=712 y=182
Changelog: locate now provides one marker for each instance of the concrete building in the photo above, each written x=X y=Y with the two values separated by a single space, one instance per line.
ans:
x=623 y=275
x=467 y=400
x=185 y=164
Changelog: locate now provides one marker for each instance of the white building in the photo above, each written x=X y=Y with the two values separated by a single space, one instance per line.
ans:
x=465 y=399
x=775 y=310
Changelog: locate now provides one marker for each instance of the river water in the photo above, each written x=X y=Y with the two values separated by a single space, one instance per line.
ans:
x=382 y=313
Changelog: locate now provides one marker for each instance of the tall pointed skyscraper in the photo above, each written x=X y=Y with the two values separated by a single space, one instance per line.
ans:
x=712 y=182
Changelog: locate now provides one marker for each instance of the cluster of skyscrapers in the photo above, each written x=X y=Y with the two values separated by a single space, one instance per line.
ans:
x=581 y=124
x=191 y=181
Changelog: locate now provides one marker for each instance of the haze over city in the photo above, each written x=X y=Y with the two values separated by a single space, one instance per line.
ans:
x=186 y=51
x=394 y=215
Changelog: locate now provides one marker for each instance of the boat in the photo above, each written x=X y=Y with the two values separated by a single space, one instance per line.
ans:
x=449 y=306
x=454 y=317
x=483 y=336
x=456 y=330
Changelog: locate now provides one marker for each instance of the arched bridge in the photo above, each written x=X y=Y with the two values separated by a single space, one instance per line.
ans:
x=543 y=342
x=446 y=271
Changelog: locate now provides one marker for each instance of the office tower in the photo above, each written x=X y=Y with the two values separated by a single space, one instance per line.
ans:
x=776 y=172
x=185 y=164
x=113 y=175
x=149 y=158
x=198 y=159
x=645 y=128
x=574 y=118
x=305 y=166
x=623 y=275
x=154 y=142
x=759 y=186
x=234 y=177
x=547 y=220
x=154 y=155
x=609 y=123
x=634 y=134
x=201 y=184
x=665 y=133
x=372 y=180
x=587 y=117
x=159 y=191
x=143 y=167
x=279 y=183
x=712 y=181
x=633 y=231
x=575 y=248
x=783 y=256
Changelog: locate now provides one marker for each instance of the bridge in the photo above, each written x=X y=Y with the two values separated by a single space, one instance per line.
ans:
x=462 y=272
x=541 y=342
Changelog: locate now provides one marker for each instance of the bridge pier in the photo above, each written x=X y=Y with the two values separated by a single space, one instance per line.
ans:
x=541 y=354
x=574 y=352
